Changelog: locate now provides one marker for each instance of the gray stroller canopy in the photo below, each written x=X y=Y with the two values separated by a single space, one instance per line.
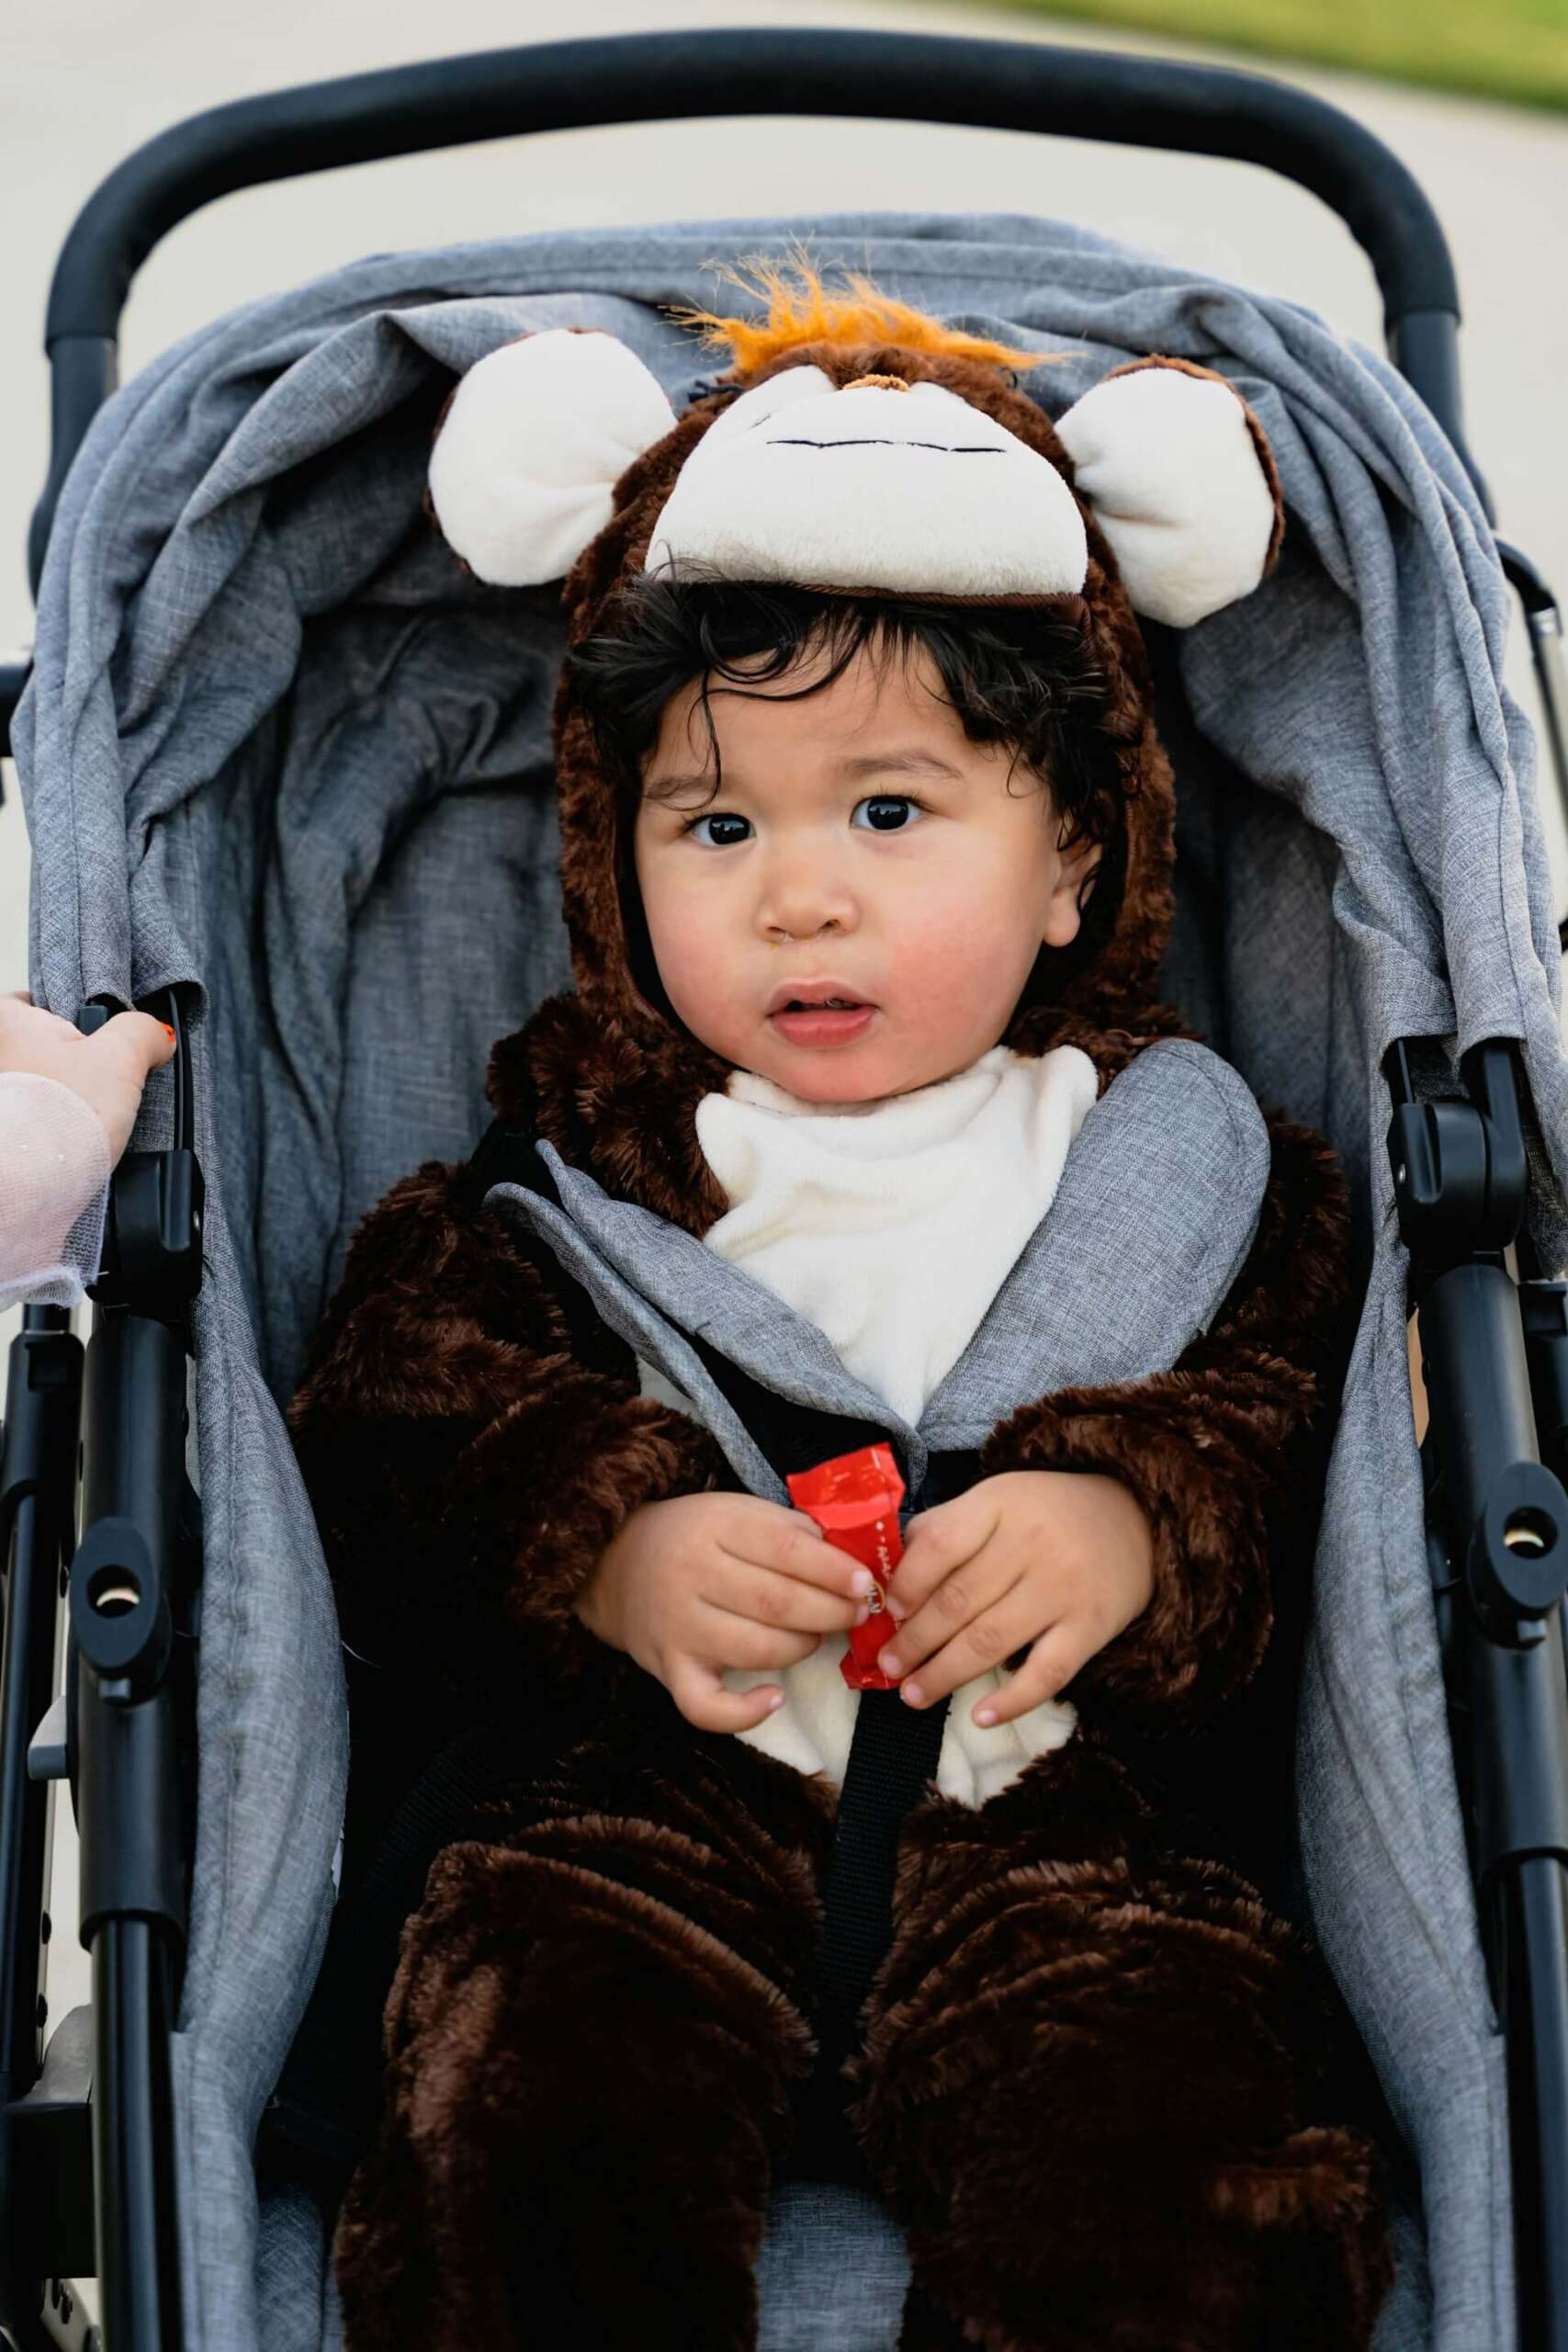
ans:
x=278 y=751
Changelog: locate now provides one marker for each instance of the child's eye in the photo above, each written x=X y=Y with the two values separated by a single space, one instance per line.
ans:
x=720 y=832
x=887 y=812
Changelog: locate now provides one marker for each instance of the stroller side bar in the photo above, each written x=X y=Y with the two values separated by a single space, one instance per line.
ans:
x=129 y=1591
x=125 y=1602
x=1498 y=1534
x=45 y=2219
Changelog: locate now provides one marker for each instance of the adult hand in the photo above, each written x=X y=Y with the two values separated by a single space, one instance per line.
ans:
x=107 y=1070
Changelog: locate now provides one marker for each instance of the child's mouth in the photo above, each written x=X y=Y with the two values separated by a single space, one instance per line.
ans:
x=822 y=1020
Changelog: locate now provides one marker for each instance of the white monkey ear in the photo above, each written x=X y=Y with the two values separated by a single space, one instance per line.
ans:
x=535 y=439
x=1170 y=461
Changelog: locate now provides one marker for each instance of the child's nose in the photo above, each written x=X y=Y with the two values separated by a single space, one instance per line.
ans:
x=802 y=899
x=806 y=918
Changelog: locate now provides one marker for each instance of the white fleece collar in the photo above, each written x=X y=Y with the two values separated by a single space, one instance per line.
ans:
x=892 y=1226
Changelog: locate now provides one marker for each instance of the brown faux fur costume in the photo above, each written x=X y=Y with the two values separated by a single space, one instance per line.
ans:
x=1094 y=2084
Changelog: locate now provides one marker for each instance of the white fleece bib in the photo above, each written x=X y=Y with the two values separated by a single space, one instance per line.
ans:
x=892 y=1226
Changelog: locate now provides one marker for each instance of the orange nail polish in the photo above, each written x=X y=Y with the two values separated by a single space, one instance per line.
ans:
x=168 y=1032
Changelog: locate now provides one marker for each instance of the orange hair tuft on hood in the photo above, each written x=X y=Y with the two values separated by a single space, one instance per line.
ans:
x=802 y=310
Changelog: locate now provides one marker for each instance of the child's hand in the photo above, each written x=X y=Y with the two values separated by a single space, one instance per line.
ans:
x=1062 y=1560
x=107 y=1070
x=701 y=1582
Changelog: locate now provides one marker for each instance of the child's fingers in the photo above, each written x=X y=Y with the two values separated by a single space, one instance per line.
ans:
x=938 y=1540
x=741 y=1642
x=769 y=1599
x=793 y=1546
x=698 y=1691
x=1051 y=1665
x=964 y=1594
x=985 y=1641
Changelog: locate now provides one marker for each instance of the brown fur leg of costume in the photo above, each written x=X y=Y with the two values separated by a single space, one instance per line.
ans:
x=1090 y=2075
x=587 y=2089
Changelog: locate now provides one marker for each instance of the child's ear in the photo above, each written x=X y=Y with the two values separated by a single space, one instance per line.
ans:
x=531 y=446
x=1075 y=885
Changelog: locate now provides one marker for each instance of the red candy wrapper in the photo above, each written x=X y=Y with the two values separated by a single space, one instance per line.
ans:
x=854 y=1499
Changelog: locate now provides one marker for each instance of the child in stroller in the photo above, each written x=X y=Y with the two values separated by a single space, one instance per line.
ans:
x=865 y=846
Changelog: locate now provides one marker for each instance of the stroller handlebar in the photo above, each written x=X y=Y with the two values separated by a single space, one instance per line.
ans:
x=641 y=77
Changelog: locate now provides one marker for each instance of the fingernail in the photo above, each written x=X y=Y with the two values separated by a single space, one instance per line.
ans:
x=775 y=1703
x=862 y=1584
x=167 y=1028
x=914 y=1694
x=985 y=1714
x=890 y=1665
x=863 y=1613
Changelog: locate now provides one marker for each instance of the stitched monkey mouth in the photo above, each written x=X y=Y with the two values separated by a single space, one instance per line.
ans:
x=885 y=441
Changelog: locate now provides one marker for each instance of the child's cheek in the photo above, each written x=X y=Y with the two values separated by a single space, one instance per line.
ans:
x=958 y=976
x=697 y=960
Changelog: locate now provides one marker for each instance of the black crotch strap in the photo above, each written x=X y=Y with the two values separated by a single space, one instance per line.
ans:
x=892 y=1760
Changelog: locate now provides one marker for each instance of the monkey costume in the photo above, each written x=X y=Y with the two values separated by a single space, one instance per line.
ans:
x=1093 y=2080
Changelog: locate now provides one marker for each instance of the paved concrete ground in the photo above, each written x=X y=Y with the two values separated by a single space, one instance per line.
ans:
x=86 y=80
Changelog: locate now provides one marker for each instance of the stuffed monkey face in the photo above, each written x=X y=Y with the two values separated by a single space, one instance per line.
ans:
x=882 y=485
x=879 y=485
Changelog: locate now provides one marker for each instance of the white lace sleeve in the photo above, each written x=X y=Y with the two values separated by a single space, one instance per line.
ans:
x=54 y=1173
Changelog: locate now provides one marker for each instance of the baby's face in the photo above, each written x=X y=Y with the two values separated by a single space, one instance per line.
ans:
x=856 y=910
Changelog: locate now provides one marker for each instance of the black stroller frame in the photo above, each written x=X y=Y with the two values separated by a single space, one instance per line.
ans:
x=86 y=2157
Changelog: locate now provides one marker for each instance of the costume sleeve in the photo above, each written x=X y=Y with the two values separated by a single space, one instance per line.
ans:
x=1210 y=1445
x=471 y=1438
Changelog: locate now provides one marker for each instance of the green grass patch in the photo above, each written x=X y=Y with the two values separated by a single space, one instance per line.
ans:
x=1513 y=50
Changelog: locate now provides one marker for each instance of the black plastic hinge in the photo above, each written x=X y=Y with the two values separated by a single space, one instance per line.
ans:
x=152 y=1247
x=1460 y=1168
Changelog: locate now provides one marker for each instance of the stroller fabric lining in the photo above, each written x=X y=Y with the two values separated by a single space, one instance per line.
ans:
x=280 y=751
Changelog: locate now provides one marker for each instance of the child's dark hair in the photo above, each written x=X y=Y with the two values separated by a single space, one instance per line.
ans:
x=1015 y=675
